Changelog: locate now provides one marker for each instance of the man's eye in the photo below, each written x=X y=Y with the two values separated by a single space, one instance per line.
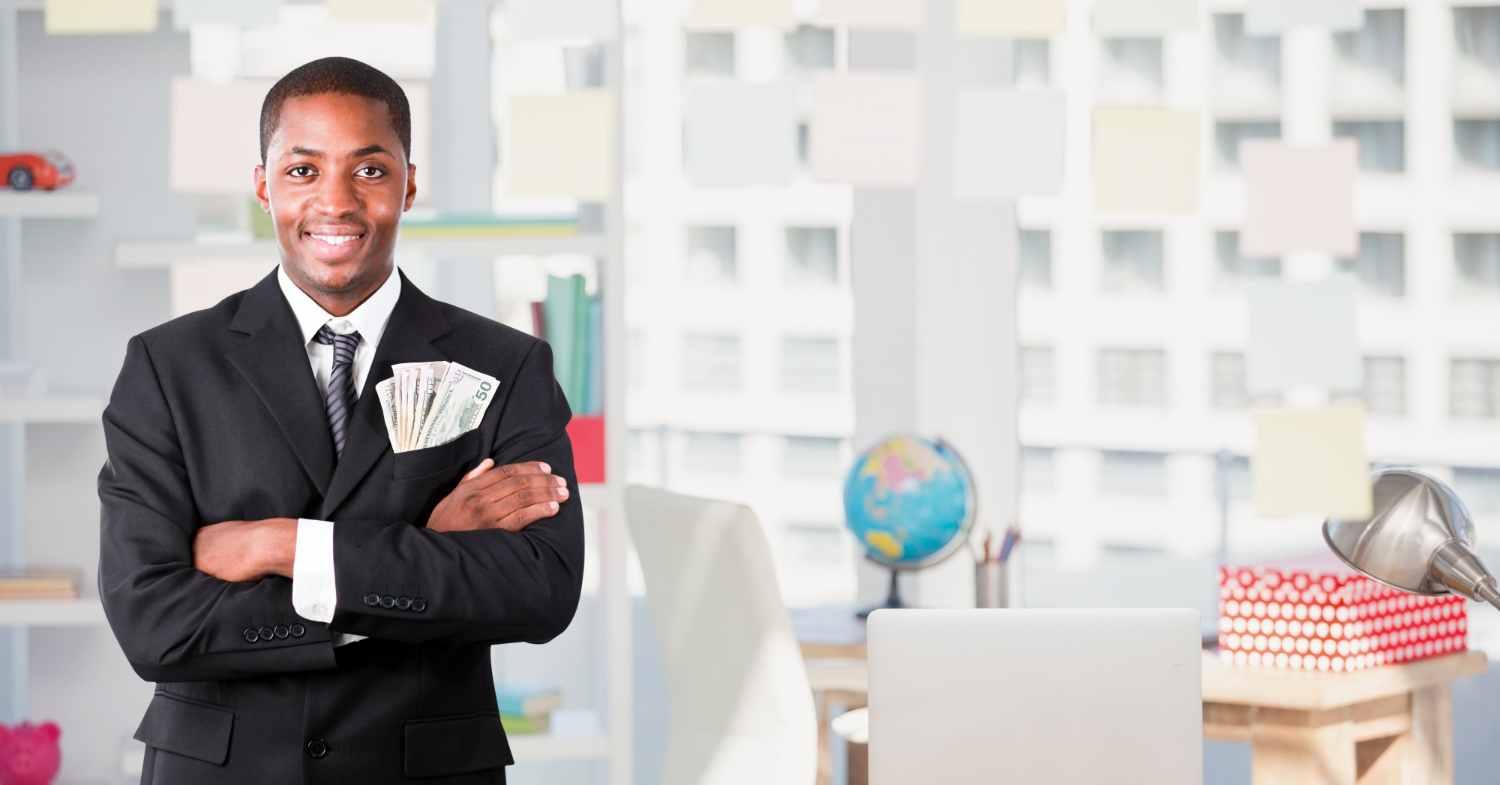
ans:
x=370 y=171
x=301 y=171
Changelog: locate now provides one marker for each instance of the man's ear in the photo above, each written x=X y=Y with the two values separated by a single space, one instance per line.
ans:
x=411 y=186
x=263 y=196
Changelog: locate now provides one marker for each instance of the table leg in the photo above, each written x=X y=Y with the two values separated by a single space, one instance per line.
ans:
x=1429 y=753
x=1302 y=747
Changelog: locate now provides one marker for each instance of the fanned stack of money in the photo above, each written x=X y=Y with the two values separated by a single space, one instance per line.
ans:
x=428 y=404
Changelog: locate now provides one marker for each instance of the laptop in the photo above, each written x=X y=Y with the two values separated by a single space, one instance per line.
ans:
x=1036 y=697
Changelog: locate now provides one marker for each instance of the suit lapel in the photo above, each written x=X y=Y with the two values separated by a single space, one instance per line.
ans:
x=407 y=339
x=274 y=362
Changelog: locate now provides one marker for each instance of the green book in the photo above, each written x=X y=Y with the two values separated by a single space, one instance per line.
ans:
x=578 y=396
x=521 y=726
x=560 y=310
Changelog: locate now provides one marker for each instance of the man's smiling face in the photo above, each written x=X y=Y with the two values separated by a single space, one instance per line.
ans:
x=335 y=182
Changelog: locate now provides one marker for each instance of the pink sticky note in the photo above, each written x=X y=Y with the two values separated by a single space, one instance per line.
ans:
x=1299 y=198
x=866 y=128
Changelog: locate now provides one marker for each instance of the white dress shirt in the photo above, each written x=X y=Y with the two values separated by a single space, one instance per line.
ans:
x=314 y=590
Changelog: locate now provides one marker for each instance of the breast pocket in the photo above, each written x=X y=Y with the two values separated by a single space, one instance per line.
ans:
x=441 y=459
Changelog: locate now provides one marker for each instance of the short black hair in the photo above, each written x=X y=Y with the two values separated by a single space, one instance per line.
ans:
x=341 y=75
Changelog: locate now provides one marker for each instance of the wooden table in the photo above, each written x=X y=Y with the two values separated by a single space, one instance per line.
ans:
x=1383 y=726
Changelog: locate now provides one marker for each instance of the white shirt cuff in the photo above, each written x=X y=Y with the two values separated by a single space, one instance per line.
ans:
x=314 y=591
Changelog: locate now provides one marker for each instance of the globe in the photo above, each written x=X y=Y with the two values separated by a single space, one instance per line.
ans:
x=909 y=501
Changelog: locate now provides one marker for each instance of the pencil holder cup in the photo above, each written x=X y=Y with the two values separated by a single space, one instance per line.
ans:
x=991 y=585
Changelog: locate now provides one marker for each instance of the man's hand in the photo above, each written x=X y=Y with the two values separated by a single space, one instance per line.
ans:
x=509 y=497
x=241 y=551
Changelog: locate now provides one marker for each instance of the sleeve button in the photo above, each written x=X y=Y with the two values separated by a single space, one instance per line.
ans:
x=372 y=599
x=266 y=633
x=298 y=630
x=388 y=602
x=419 y=605
x=403 y=603
x=251 y=636
x=282 y=631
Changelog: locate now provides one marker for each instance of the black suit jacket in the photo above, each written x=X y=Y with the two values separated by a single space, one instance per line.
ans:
x=215 y=417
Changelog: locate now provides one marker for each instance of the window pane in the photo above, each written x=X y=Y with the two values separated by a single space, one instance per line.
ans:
x=811 y=47
x=1479 y=488
x=1229 y=381
x=1476 y=261
x=1381 y=264
x=1132 y=378
x=1035 y=251
x=812 y=253
x=1258 y=54
x=1037 y=468
x=1132 y=260
x=712 y=362
x=1471 y=388
x=1132 y=68
x=1130 y=473
x=1382 y=143
x=1476 y=144
x=1378 y=46
x=812 y=456
x=711 y=253
x=1033 y=63
x=1476 y=33
x=1385 y=385
x=811 y=542
x=1036 y=373
x=1228 y=135
x=810 y=365
x=1233 y=267
x=1237 y=475
x=710 y=54
x=711 y=452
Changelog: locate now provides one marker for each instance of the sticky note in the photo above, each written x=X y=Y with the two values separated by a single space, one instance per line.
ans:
x=1311 y=461
x=1299 y=198
x=64 y=17
x=873 y=14
x=731 y=14
x=1008 y=143
x=741 y=135
x=1146 y=160
x=1271 y=17
x=1011 y=18
x=530 y=20
x=186 y=13
x=560 y=145
x=382 y=10
x=199 y=285
x=214 y=135
x=1302 y=335
x=865 y=128
x=1144 y=18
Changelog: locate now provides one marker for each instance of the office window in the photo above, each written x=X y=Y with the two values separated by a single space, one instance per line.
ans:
x=1476 y=262
x=1037 y=468
x=812 y=253
x=1382 y=143
x=813 y=456
x=1479 y=488
x=1034 y=247
x=710 y=54
x=815 y=542
x=1234 y=268
x=1032 y=62
x=810 y=365
x=1131 y=473
x=711 y=452
x=1228 y=382
x=1036 y=373
x=712 y=362
x=712 y=253
x=1132 y=260
x=1132 y=377
x=1474 y=388
x=1379 y=46
x=1385 y=385
x=1254 y=54
x=1381 y=264
x=1476 y=144
x=1132 y=68
x=1237 y=476
x=1229 y=134
x=812 y=48
x=1476 y=35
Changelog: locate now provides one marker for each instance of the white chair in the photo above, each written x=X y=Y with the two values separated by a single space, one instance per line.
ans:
x=742 y=710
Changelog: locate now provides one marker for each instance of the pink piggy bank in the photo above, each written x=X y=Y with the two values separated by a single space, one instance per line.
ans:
x=29 y=754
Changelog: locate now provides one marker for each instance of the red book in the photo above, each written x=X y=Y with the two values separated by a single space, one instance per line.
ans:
x=587 y=434
x=539 y=320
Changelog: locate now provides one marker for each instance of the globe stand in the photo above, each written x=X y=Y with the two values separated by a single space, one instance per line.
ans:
x=892 y=598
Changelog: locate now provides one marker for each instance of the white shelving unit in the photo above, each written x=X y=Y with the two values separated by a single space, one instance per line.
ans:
x=51 y=409
x=156 y=254
x=82 y=612
x=48 y=204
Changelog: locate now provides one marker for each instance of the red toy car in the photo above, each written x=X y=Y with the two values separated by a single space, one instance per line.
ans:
x=25 y=171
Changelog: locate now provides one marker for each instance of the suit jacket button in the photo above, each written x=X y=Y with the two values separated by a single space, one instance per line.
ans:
x=419 y=605
x=317 y=748
x=372 y=599
x=298 y=630
x=388 y=602
x=403 y=602
x=266 y=633
x=251 y=636
x=282 y=631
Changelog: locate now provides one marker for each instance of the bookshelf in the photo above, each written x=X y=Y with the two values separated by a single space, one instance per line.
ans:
x=81 y=612
x=48 y=204
x=160 y=254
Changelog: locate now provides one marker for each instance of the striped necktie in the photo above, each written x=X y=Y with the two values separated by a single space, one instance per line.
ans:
x=340 y=382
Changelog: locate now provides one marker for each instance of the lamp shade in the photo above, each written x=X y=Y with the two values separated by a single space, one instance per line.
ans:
x=1419 y=539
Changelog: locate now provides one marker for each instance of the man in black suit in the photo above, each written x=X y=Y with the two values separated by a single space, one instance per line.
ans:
x=315 y=607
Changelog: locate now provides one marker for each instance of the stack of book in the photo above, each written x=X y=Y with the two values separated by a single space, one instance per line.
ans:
x=525 y=709
x=38 y=584
x=572 y=322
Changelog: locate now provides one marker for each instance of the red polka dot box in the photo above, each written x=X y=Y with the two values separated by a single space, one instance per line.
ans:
x=1331 y=622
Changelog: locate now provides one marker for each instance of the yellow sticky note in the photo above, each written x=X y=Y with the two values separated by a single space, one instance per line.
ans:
x=561 y=145
x=100 y=16
x=1146 y=160
x=1311 y=461
x=730 y=14
x=1012 y=18
x=381 y=10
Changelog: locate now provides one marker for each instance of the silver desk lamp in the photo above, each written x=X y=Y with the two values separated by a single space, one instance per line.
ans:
x=1420 y=539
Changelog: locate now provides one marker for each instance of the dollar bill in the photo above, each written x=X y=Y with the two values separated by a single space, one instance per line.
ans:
x=432 y=403
x=457 y=407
